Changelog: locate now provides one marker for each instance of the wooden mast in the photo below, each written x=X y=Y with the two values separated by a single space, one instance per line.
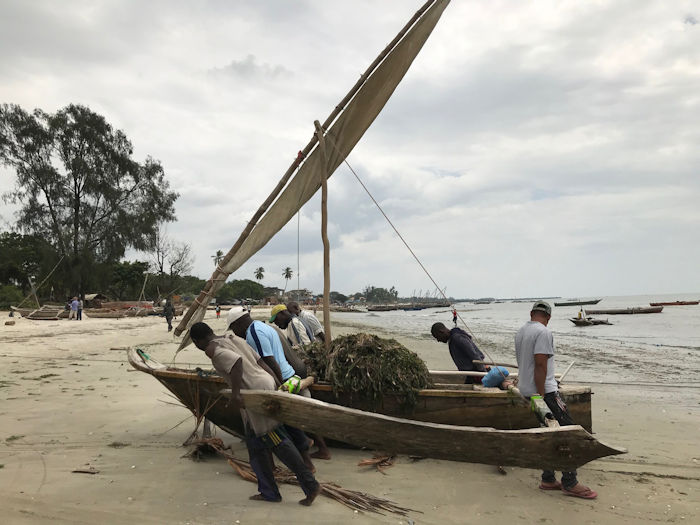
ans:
x=324 y=236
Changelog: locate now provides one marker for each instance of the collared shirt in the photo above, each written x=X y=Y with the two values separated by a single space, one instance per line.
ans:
x=464 y=351
x=74 y=305
x=265 y=341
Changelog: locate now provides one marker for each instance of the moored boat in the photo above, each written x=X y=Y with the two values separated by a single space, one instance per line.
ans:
x=676 y=303
x=588 y=321
x=576 y=302
x=624 y=311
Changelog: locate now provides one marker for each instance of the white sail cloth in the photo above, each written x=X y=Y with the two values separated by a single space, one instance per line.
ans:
x=341 y=138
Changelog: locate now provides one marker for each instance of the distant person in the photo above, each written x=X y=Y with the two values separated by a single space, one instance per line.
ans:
x=218 y=311
x=310 y=321
x=462 y=349
x=241 y=367
x=80 y=310
x=169 y=313
x=264 y=339
x=292 y=326
x=534 y=350
x=73 y=309
x=454 y=315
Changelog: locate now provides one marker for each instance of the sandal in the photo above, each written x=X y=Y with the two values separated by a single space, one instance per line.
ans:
x=550 y=485
x=584 y=492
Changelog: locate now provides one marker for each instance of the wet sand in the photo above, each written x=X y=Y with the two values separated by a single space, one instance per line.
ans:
x=69 y=400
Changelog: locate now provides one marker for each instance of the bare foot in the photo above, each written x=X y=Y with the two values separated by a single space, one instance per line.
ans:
x=308 y=500
x=321 y=454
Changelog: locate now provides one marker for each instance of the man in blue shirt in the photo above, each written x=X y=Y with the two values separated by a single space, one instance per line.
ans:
x=263 y=339
x=462 y=349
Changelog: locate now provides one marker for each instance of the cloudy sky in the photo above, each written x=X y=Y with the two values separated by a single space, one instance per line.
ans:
x=533 y=149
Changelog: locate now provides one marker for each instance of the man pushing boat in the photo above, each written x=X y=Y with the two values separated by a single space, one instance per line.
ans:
x=462 y=348
x=534 y=350
x=241 y=367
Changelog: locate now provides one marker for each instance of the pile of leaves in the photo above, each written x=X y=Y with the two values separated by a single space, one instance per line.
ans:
x=367 y=367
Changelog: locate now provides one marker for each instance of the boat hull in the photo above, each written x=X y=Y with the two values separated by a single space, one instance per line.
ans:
x=449 y=404
x=556 y=448
x=676 y=303
x=577 y=303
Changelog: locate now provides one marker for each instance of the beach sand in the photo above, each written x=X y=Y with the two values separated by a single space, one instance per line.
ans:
x=70 y=400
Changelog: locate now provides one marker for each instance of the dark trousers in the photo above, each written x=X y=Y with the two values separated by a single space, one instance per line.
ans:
x=80 y=314
x=260 y=451
x=561 y=414
x=298 y=437
x=170 y=323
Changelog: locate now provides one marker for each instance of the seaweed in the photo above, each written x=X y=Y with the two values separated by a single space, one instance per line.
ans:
x=366 y=367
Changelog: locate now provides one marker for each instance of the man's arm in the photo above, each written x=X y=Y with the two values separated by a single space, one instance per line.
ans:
x=269 y=370
x=274 y=367
x=235 y=377
x=541 y=371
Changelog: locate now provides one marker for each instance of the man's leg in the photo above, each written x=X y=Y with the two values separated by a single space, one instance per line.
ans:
x=301 y=442
x=561 y=414
x=261 y=463
x=289 y=455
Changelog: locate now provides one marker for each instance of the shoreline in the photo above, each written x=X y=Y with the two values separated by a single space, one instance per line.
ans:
x=69 y=401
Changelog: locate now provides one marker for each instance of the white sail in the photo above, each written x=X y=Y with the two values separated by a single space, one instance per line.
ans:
x=342 y=135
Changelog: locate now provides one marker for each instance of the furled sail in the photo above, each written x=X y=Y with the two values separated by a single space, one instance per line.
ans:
x=343 y=129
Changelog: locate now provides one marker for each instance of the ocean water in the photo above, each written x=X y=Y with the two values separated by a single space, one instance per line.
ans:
x=643 y=348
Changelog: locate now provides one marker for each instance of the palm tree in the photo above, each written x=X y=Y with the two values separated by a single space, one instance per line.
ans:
x=287 y=274
x=259 y=273
x=218 y=257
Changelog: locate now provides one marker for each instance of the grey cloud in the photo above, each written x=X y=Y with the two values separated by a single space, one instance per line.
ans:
x=250 y=68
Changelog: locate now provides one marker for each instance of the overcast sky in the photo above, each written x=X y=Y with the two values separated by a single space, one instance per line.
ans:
x=533 y=149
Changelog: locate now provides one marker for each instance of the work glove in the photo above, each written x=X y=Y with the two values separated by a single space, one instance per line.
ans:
x=293 y=385
x=533 y=403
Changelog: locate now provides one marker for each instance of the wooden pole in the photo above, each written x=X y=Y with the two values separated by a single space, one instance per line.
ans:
x=202 y=299
x=41 y=283
x=324 y=236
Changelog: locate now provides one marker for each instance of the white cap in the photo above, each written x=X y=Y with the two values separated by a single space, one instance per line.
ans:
x=234 y=314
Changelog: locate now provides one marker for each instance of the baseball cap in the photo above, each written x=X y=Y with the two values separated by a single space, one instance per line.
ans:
x=234 y=314
x=542 y=306
x=275 y=310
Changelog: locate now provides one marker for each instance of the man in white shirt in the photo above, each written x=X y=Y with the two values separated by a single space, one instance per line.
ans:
x=534 y=350
x=310 y=321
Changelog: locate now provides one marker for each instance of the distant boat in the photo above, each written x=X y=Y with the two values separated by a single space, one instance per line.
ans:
x=576 y=302
x=675 y=303
x=632 y=310
x=588 y=321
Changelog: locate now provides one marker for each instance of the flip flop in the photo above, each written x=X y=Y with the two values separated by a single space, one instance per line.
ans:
x=550 y=486
x=586 y=493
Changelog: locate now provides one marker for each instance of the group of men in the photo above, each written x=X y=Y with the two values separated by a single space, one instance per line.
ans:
x=75 y=309
x=256 y=355
x=534 y=351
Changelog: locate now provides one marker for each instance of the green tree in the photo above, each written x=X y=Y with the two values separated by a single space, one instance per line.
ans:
x=80 y=188
x=127 y=279
x=259 y=273
x=10 y=295
x=379 y=295
x=240 y=289
x=287 y=274
x=23 y=257
x=337 y=297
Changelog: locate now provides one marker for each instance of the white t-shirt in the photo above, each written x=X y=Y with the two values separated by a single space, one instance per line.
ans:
x=534 y=338
x=296 y=332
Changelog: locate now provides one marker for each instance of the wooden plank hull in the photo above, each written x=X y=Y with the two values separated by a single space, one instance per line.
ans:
x=451 y=404
x=563 y=448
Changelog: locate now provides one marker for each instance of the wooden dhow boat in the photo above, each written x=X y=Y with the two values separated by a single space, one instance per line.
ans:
x=588 y=321
x=446 y=413
x=333 y=140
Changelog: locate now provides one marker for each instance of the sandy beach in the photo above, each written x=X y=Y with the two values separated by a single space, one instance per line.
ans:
x=70 y=400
